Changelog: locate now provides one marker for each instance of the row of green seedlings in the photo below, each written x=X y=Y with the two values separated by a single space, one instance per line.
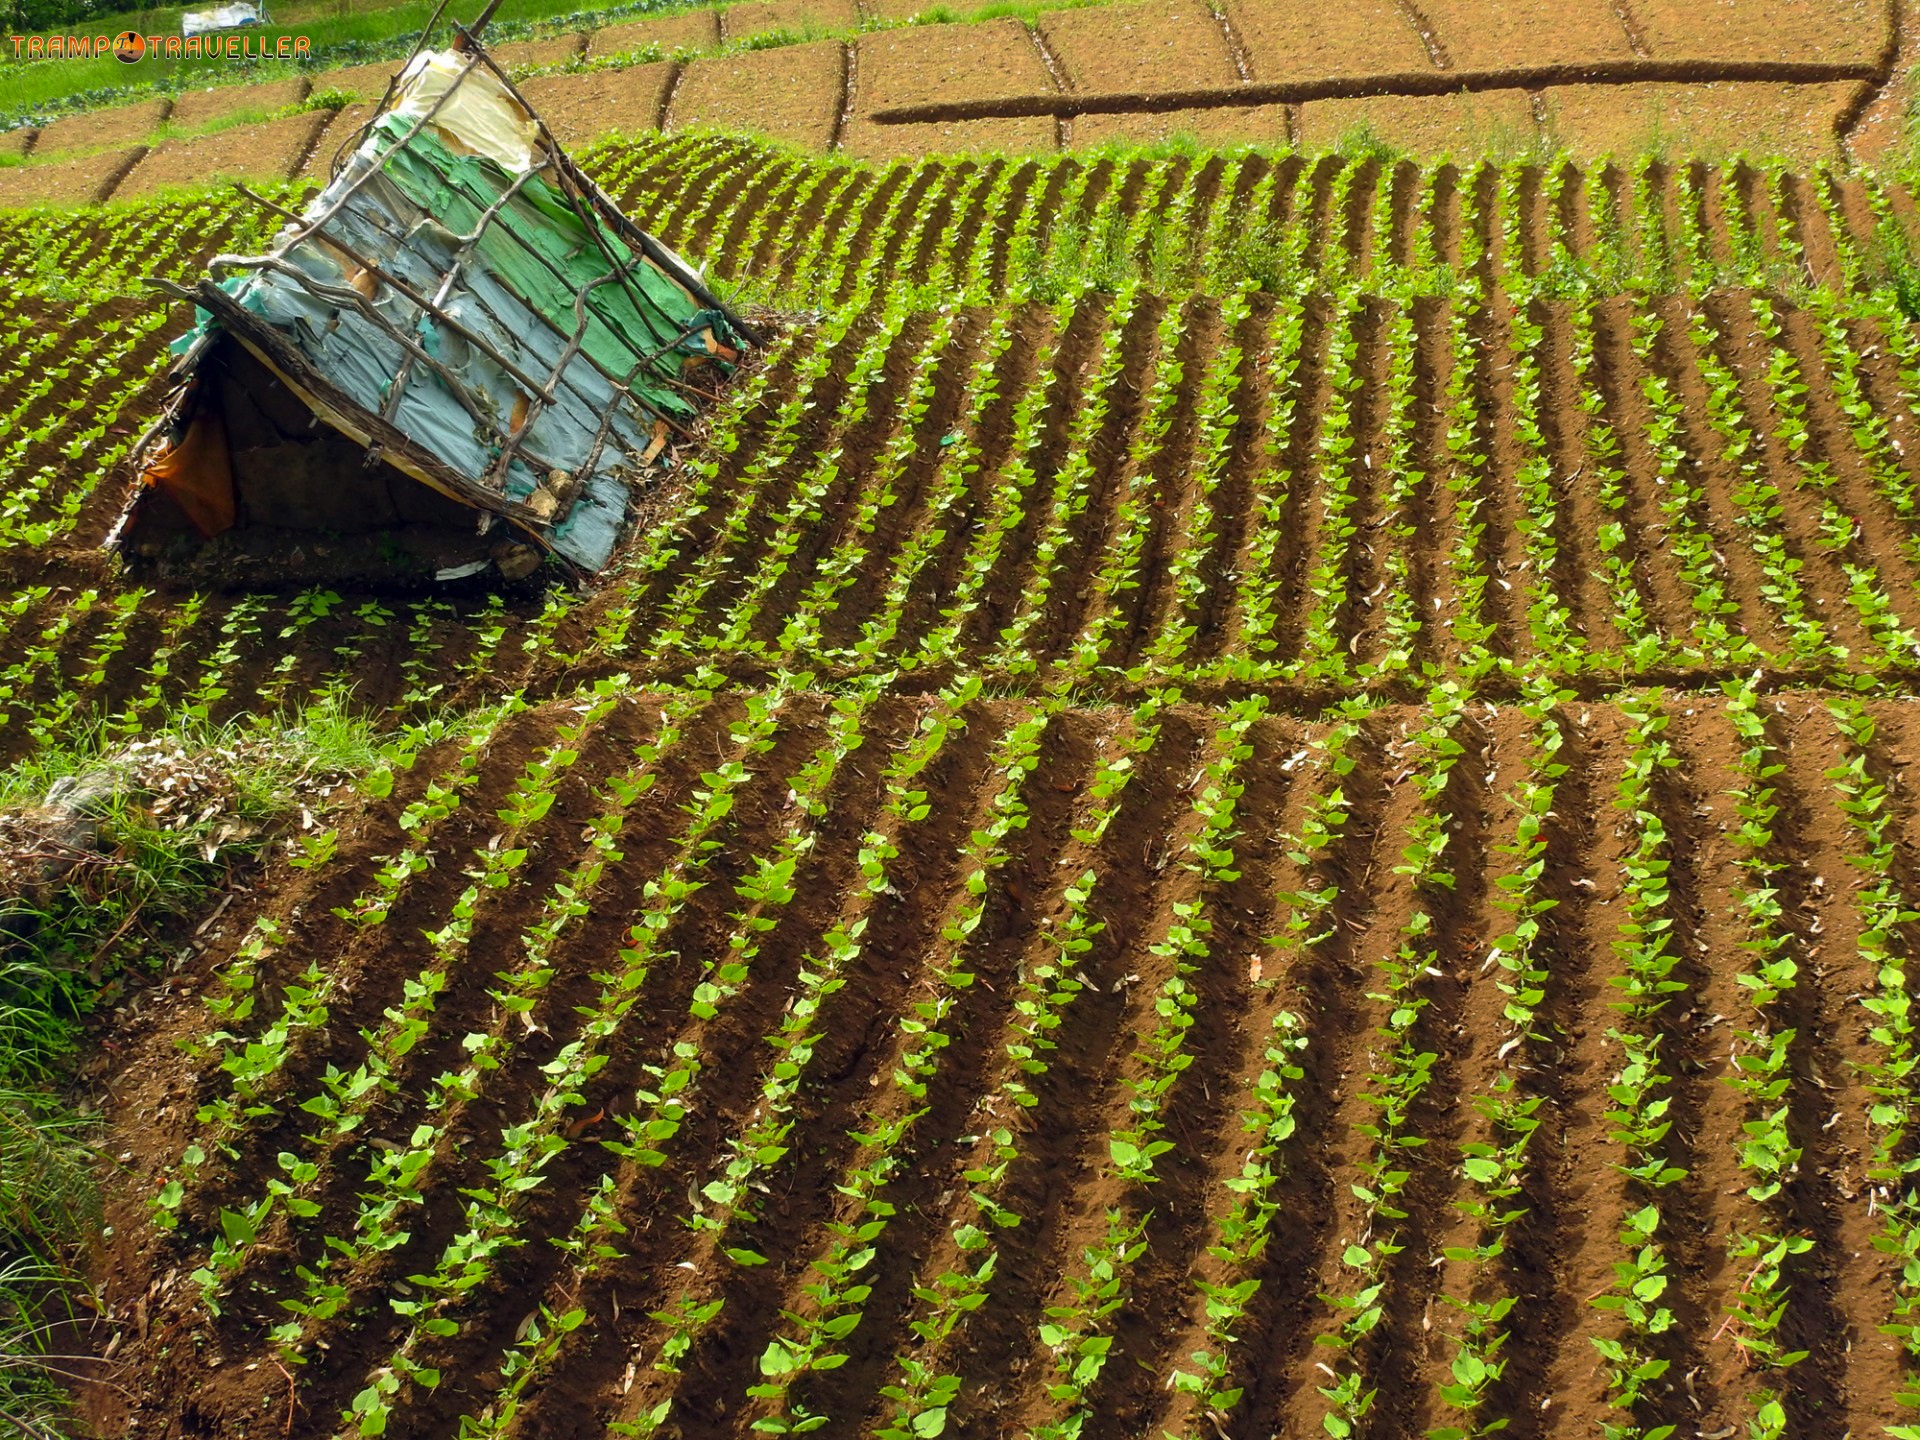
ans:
x=805 y=511
x=1761 y=1061
x=919 y=1389
x=1640 y=1097
x=1131 y=524
x=1465 y=614
x=1217 y=414
x=1759 y=504
x=835 y=1292
x=766 y=887
x=98 y=368
x=1886 y=913
x=1840 y=532
x=1396 y=1081
x=880 y=483
x=1549 y=619
x=1242 y=1231
x=1496 y=1164
x=1871 y=434
x=1260 y=587
x=1719 y=638
x=1008 y=494
x=344 y=1099
x=1078 y=1330
x=1643 y=644
x=252 y=1061
x=723 y=1209
x=675 y=614
x=1071 y=489
x=656 y=550
x=490 y=1224
x=1322 y=654
x=952 y=484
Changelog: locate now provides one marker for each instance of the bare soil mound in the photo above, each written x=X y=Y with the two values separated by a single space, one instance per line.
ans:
x=1492 y=122
x=537 y=54
x=363 y=82
x=1265 y=125
x=764 y=17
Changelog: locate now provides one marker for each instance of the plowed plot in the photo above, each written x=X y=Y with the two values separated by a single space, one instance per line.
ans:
x=692 y=29
x=1490 y=122
x=1480 y=36
x=273 y=151
x=581 y=108
x=94 y=129
x=196 y=108
x=1135 y=48
x=1835 y=30
x=1287 y=41
x=932 y=63
x=65 y=182
x=791 y=94
x=1004 y=999
x=1798 y=122
x=764 y=17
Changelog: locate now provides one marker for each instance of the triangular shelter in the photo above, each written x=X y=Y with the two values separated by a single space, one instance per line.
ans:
x=460 y=357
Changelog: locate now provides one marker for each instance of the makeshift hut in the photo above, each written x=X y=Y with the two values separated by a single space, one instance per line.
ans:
x=459 y=360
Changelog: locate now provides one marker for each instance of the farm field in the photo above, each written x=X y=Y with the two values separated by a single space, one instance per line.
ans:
x=1239 y=795
x=1784 y=78
x=1242 y=792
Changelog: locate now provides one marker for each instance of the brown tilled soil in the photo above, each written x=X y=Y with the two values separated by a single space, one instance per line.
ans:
x=1238 y=125
x=693 y=29
x=273 y=151
x=1797 y=121
x=1289 y=41
x=363 y=82
x=121 y=125
x=1836 y=30
x=1493 y=122
x=761 y=17
x=581 y=108
x=1130 y=48
x=18 y=141
x=790 y=94
x=931 y=63
x=193 y=109
x=537 y=54
x=1482 y=36
x=65 y=182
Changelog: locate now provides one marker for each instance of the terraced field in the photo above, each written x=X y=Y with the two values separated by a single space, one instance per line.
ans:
x=1236 y=796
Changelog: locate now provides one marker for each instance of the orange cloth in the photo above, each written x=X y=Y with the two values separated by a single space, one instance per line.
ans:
x=198 y=473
